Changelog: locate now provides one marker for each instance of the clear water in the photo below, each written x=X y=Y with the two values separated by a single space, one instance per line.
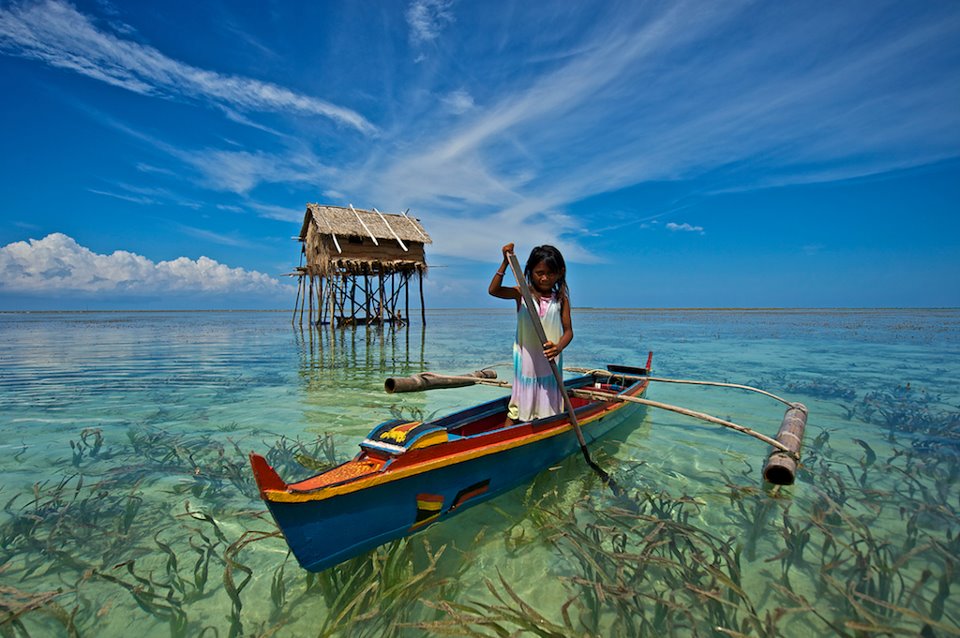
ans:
x=129 y=504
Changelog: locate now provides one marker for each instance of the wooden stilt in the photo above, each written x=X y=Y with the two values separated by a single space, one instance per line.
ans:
x=353 y=300
x=380 y=313
x=333 y=258
x=310 y=313
x=296 y=303
x=330 y=302
x=423 y=311
x=366 y=298
x=320 y=292
x=303 y=299
x=320 y=300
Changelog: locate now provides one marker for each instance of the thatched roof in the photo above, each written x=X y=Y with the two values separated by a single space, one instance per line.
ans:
x=356 y=222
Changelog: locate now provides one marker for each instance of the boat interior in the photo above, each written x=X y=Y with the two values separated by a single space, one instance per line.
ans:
x=393 y=438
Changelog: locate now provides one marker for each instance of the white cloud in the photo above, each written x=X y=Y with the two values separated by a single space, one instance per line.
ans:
x=685 y=227
x=458 y=102
x=658 y=94
x=427 y=19
x=293 y=214
x=56 y=33
x=241 y=171
x=133 y=199
x=57 y=263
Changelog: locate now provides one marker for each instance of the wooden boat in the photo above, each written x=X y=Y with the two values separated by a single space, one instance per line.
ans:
x=409 y=475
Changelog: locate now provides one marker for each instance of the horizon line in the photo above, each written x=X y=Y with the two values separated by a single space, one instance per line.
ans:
x=495 y=309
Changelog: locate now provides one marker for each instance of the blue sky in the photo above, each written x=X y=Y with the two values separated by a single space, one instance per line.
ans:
x=681 y=154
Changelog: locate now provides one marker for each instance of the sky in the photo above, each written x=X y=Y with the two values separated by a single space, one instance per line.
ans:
x=680 y=154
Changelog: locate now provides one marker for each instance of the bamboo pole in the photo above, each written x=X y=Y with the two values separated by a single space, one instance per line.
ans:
x=528 y=301
x=589 y=394
x=789 y=450
x=430 y=381
x=362 y=223
x=781 y=466
x=392 y=232
x=608 y=373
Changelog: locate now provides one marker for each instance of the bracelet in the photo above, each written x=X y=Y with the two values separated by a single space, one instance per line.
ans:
x=501 y=272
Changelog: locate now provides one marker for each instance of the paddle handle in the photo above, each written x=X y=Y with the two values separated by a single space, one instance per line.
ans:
x=538 y=328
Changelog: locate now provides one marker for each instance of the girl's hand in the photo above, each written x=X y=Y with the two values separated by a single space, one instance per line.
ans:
x=506 y=250
x=551 y=350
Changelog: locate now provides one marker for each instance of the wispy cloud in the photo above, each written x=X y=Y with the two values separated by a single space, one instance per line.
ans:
x=133 y=199
x=145 y=195
x=458 y=102
x=231 y=170
x=427 y=18
x=58 y=263
x=57 y=34
x=241 y=171
x=684 y=227
x=659 y=94
x=280 y=213
x=214 y=237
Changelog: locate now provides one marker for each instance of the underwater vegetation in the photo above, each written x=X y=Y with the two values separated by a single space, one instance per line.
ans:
x=821 y=565
x=164 y=532
x=903 y=408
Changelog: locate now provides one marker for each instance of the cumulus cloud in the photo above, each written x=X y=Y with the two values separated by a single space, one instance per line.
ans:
x=684 y=227
x=57 y=34
x=58 y=263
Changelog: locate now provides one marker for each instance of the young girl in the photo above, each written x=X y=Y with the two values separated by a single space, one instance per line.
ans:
x=535 y=391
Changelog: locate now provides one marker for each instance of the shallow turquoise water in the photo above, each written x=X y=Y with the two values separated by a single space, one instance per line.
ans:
x=127 y=495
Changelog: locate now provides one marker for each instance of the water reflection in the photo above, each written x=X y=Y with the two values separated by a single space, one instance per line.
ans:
x=365 y=349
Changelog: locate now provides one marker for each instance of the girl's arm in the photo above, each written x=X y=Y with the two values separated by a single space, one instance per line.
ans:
x=497 y=289
x=552 y=350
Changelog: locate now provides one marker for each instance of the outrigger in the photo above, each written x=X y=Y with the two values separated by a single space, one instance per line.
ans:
x=410 y=474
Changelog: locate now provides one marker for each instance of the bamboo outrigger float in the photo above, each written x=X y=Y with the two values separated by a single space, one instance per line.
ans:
x=409 y=475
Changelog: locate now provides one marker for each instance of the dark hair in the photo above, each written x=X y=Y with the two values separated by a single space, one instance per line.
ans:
x=554 y=261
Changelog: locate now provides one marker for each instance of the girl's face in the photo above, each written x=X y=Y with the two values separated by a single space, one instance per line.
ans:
x=543 y=278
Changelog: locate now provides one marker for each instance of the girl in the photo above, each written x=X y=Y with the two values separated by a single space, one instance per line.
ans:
x=535 y=391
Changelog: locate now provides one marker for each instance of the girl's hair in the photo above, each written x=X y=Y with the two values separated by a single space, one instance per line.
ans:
x=554 y=261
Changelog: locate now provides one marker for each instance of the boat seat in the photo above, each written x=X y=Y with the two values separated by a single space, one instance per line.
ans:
x=397 y=436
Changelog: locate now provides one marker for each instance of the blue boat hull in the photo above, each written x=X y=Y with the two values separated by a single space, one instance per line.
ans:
x=325 y=532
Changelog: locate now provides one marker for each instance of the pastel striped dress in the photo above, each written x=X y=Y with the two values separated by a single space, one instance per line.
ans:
x=535 y=392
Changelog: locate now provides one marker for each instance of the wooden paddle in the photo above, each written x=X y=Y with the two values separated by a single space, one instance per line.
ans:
x=538 y=328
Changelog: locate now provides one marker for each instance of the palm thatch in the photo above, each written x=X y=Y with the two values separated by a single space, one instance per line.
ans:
x=358 y=264
x=356 y=241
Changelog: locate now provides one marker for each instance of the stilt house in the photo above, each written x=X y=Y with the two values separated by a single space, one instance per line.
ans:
x=356 y=266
